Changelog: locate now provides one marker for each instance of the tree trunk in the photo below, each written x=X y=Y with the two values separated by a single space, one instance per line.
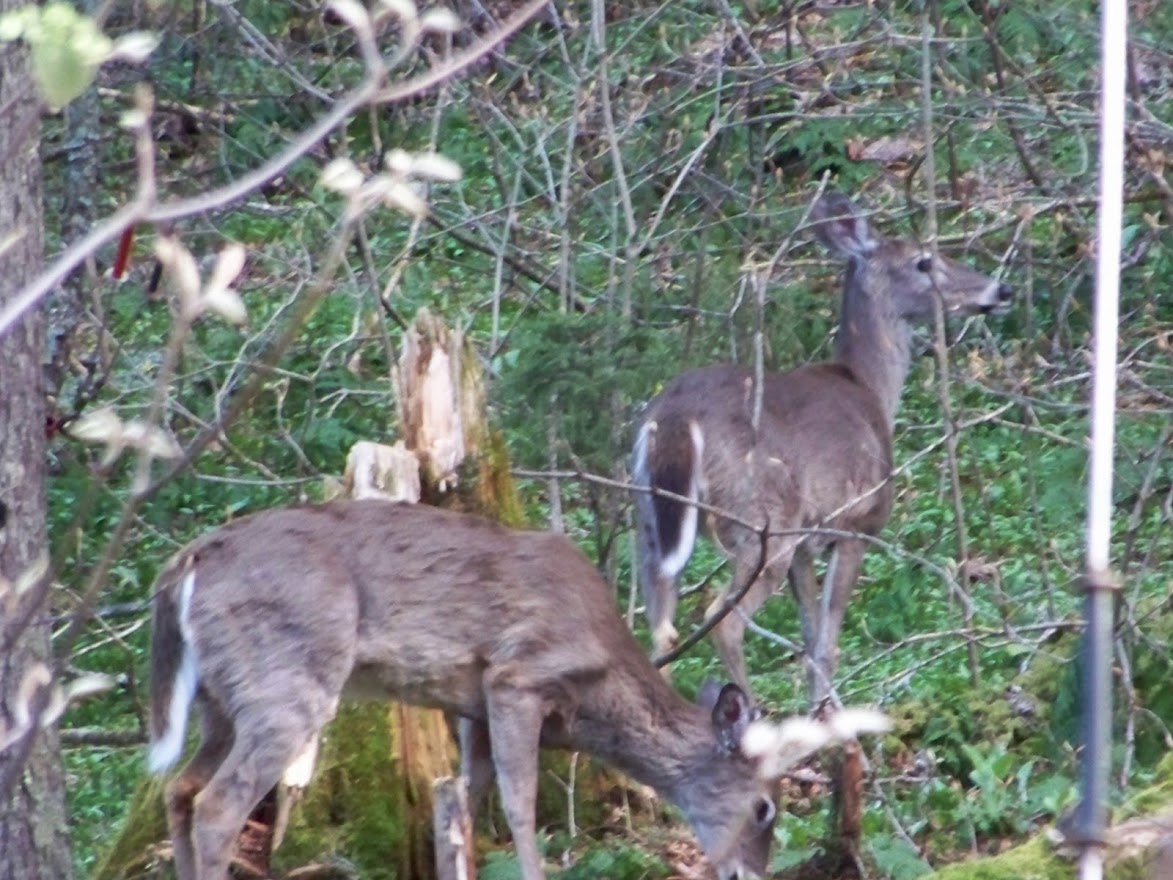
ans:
x=33 y=837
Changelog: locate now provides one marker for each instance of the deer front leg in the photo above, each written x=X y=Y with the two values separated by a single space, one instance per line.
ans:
x=515 y=726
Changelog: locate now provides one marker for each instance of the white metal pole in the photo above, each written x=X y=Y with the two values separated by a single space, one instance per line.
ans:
x=1097 y=655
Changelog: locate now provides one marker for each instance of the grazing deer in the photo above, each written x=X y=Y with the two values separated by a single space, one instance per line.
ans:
x=267 y=622
x=819 y=457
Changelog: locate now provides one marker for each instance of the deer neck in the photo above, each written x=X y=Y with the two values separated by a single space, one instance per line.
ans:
x=872 y=342
x=641 y=726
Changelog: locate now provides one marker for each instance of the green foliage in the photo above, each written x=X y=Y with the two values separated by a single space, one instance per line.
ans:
x=94 y=816
x=1000 y=801
x=131 y=853
x=894 y=858
x=1157 y=795
x=66 y=48
x=798 y=839
x=571 y=377
x=500 y=865
x=613 y=859
x=722 y=134
x=616 y=861
x=1152 y=676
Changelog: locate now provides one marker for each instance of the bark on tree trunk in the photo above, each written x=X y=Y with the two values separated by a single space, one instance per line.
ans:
x=74 y=343
x=33 y=836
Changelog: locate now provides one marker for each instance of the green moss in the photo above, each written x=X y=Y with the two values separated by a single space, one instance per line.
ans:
x=1031 y=861
x=133 y=852
x=352 y=808
x=496 y=491
x=1036 y=859
x=1157 y=797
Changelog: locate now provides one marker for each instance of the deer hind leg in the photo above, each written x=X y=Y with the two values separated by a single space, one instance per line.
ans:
x=729 y=634
x=267 y=739
x=661 y=598
x=476 y=761
x=215 y=744
x=659 y=589
x=839 y=583
x=515 y=726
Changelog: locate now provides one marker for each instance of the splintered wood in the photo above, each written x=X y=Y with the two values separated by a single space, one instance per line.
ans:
x=375 y=470
x=435 y=398
x=453 y=830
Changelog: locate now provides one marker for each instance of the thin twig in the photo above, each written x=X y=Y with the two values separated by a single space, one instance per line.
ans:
x=940 y=346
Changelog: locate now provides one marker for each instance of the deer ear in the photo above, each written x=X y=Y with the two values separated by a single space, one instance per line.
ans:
x=709 y=693
x=732 y=714
x=841 y=226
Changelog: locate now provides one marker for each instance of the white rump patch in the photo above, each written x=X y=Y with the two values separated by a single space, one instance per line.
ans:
x=166 y=751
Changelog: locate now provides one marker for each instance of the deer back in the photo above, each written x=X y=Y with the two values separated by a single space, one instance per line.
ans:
x=821 y=441
x=387 y=600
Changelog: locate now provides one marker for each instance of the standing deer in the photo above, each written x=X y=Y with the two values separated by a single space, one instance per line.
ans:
x=266 y=622
x=819 y=458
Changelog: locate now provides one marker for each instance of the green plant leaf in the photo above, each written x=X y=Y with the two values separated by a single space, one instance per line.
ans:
x=895 y=859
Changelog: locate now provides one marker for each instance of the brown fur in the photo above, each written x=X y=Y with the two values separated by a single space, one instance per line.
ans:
x=513 y=631
x=819 y=458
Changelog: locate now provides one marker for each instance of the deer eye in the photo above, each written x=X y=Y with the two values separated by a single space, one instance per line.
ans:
x=924 y=264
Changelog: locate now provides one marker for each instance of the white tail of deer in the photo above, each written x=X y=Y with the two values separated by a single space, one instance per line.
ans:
x=267 y=622
x=820 y=457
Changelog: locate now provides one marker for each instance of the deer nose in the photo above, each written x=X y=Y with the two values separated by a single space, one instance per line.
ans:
x=1004 y=296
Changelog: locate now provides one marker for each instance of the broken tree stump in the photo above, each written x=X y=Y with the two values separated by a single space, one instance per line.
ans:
x=452 y=827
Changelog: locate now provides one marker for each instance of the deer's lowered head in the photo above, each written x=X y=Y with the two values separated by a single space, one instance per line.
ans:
x=267 y=622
